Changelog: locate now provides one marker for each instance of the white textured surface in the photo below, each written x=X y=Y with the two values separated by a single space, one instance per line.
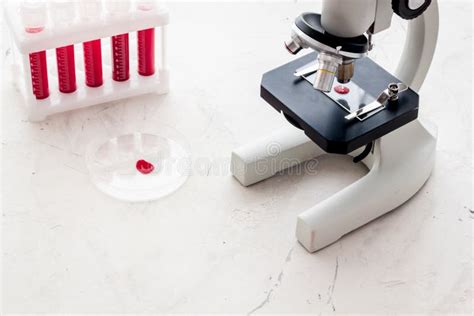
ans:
x=215 y=246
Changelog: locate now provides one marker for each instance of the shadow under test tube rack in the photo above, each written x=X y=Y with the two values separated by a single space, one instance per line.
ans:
x=80 y=31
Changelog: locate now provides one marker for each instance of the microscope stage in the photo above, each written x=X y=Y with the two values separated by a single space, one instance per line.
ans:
x=323 y=119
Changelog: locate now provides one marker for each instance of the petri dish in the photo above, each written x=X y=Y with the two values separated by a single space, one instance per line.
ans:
x=139 y=166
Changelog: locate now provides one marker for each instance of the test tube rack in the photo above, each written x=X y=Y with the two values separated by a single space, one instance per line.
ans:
x=77 y=32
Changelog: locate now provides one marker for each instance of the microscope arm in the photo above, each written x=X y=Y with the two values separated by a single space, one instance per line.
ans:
x=419 y=49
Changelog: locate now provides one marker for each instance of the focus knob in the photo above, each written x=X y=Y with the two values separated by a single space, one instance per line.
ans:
x=410 y=9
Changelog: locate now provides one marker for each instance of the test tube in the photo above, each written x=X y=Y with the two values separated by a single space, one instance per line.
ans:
x=33 y=16
x=90 y=11
x=119 y=43
x=63 y=13
x=146 y=43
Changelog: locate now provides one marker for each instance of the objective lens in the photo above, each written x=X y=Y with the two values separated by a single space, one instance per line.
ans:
x=293 y=47
x=345 y=71
x=328 y=65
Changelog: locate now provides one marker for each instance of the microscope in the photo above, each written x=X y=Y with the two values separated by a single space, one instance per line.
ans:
x=339 y=101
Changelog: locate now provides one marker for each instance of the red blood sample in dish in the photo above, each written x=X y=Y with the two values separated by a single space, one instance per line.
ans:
x=93 y=63
x=146 y=52
x=342 y=89
x=144 y=166
x=120 y=58
x=66 y=69
x=39 y=75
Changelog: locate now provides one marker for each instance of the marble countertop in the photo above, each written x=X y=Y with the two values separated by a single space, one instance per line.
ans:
x=215 y=246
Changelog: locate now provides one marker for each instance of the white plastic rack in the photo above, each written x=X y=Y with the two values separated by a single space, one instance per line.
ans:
x=77 y=32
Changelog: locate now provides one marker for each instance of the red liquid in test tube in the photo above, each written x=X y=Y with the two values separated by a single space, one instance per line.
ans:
x=66 y=69
x=120 y=58
x=33 y=17
x=93 y=63
x=146 y=52
x=146 y=42
x=39 y=75
x=119 y=42
x=63 y=14
x=90 y=12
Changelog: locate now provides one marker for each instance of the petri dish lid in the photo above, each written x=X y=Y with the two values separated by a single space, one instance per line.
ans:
x=137 y=166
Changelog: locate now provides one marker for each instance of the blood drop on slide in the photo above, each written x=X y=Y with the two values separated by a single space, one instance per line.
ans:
x=145 y=167
x=341 y=89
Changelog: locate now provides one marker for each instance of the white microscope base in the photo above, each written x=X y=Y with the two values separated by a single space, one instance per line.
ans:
x=400 y=164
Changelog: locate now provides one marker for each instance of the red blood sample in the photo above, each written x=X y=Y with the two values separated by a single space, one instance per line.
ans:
x=39 y=69
x=341 y=89
x=93 y=63
x=66 y=69
x=120 y=58
x=144 y=166
x=146 y=52
x=39 y=75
